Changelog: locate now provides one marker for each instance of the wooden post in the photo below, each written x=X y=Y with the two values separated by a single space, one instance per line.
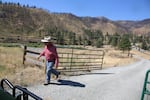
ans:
x=102 y=59
x=71 y=59
x=24 y=54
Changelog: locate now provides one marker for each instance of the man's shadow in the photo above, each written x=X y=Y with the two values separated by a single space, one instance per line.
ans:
x=69 y=83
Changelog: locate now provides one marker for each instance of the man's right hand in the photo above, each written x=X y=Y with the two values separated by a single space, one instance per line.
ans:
x=38 y=57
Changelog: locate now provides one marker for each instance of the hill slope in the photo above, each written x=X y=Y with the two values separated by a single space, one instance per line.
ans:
x=15 y=19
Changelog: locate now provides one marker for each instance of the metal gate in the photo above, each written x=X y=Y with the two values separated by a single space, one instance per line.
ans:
x=146 y=87
x=80 y=59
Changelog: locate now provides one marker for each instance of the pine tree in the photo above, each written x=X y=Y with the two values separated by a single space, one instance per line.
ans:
x=144 y=45
x=125 y=43
x=99 y=43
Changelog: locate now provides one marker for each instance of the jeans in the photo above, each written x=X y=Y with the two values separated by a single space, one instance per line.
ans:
x=50 y=70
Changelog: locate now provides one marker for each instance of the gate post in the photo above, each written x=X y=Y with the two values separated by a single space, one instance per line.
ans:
x=71 y=59
x=24 y=53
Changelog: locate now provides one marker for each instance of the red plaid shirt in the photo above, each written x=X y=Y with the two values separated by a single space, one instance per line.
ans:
x=50 y=53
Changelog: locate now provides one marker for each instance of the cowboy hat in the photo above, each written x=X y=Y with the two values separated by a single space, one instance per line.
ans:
x=46 y=39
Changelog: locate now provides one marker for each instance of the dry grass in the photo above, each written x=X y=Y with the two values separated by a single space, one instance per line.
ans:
x=11 y=64
x=145 y=54
x=115 y=58
x=13 y=69
x=10 y=59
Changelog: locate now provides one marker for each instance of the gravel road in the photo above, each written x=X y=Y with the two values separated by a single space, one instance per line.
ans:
x=117 y=83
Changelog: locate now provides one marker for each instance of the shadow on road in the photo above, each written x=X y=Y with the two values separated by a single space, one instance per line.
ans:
x=69 y=83
x=92 y=74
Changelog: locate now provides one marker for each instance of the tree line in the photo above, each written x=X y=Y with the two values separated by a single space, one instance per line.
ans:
x=97 y=38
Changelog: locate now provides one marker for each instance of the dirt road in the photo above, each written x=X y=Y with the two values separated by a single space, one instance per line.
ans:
x=117 y=83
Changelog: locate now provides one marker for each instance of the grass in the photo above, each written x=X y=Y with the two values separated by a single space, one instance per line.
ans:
x=9 y=62
x=9 y=45
x=11 y=67
x=18 y=45
x=2 y=68
x=34 y=44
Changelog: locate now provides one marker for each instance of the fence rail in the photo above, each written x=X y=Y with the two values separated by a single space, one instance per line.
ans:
x=70 y=59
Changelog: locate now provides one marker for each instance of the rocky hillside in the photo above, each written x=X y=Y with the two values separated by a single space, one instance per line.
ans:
x=137 y=27
x=22 y=20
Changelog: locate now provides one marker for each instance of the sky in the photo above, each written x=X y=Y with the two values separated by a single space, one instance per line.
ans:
x=111 y=9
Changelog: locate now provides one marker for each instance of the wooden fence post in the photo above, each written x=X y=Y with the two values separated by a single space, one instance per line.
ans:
x=24 y=53
x=102 y=59
x=71 y=58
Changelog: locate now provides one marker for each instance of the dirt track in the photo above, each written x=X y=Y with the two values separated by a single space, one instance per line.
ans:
x=117 y=83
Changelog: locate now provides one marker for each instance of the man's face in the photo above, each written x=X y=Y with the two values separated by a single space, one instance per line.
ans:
x=47 y=43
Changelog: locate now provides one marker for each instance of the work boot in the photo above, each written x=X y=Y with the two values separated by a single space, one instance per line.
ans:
x=57 y=76
x=46 y=83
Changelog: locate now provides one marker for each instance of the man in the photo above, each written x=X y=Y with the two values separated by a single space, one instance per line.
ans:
x=51 y=57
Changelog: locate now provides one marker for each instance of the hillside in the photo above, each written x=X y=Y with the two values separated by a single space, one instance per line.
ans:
x=18 y=20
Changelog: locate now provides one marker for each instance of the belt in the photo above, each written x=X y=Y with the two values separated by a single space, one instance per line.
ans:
x=51 y=60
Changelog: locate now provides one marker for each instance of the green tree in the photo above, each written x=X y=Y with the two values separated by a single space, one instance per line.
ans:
x=98 y=38
x=144 y=45
x=106 y=38
x=99 y=43
x=125 y=43
x=114 y=40
x=79 y=40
